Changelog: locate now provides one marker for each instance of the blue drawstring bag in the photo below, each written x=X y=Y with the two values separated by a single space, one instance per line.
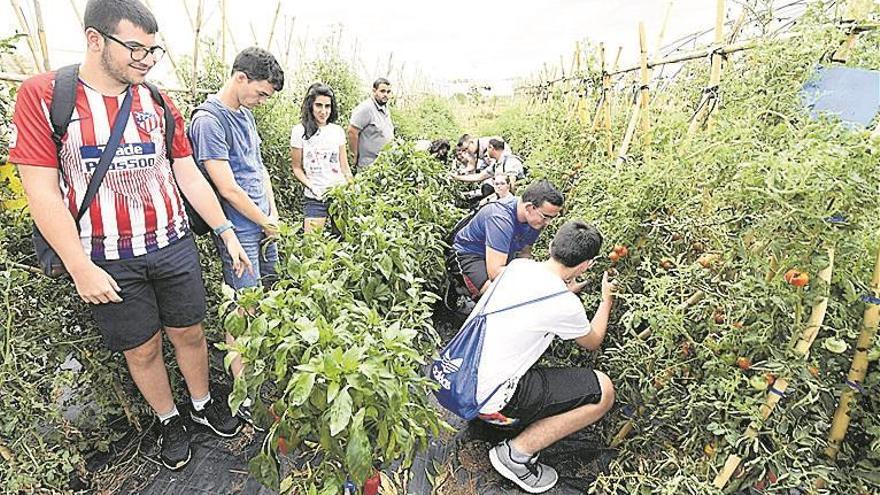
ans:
x=455 y=371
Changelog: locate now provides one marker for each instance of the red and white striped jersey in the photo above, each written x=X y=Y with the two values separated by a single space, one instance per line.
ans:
x=138 y=208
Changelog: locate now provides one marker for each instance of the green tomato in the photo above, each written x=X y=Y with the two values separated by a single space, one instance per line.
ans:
x=874 y=353
x=758 y=382
x=835 y=345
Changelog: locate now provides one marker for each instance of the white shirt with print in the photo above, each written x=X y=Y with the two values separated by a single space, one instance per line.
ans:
x=320 y=157
x=516 y=339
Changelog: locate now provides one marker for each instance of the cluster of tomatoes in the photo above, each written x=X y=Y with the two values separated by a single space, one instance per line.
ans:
x=618 y=252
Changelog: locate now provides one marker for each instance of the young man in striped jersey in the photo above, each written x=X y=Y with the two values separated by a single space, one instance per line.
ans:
x=132 y=256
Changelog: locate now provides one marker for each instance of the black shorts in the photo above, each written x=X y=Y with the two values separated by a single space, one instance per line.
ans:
x=545 y=392
x=160 y=289
x=470 y=270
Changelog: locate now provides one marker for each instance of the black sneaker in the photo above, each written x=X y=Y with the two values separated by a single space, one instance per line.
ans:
x=245 y=414
x=174 y=443
x=218 y=418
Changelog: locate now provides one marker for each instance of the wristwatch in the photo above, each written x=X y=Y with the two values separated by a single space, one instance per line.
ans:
x=224 y=227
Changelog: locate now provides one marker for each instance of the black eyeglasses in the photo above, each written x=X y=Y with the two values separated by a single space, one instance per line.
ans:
x=138 y=52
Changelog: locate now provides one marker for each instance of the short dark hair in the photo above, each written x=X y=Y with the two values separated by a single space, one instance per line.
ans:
x=104 y=15
x=497 y=144
x=307 y=115
x=380 y=81
x=259 y=65
x=439 y=149
x=575 y=242
x=542 y=191
x=463 y=141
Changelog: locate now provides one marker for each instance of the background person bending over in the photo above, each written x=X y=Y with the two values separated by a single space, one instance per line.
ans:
x=551 y=403
x=499 y=232
x=503 y=163
x=371 y=126
x=317 y=151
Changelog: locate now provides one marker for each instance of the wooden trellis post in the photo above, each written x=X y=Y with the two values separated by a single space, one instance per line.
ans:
x=76 y=12
x=223 y=30
x=274 y=22
x=41 y=35
x=196 y=31
x=640 y=106
x=777 y=390
x=709 y=98
x=859 y=367
x=25 y=28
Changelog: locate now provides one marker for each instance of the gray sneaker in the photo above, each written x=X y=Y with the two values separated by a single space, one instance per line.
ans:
x=531 y=476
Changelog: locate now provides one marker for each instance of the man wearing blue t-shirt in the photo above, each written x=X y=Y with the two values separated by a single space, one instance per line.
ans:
x=227 y=146
x=501 y=231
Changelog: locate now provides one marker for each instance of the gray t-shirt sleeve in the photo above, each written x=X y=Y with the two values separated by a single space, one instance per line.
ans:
x=208 y=138
x=361 y=116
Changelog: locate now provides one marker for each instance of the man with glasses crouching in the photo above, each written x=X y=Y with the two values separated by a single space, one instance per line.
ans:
x=499 y=232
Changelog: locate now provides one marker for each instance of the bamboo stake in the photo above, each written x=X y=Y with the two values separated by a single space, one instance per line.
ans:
x=709 y=96
x=79 y=16
x=640 y=106
x=774 y=395
x=817 y=317
x=859 y=367
x=168 y=53
x=290 y=41
x=606 y=82
x=778 y=389
x=189 y=16
x=274 y=22
x=662 y=32
x=25 y=28
x=645 y=121
x=196 y=31
x=41 y=35
x=223 y=30
x=253 y=34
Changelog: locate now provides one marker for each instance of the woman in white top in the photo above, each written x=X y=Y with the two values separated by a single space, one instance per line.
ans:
x=318 y=153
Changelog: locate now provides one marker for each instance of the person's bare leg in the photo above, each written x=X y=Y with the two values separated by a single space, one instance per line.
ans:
x=148 y=371
x=310 y=224
x=191 y=351
x=543 y=433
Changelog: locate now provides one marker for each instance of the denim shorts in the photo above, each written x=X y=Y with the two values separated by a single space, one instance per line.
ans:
x=263 y=258
x=315 y=208
x=159 y=289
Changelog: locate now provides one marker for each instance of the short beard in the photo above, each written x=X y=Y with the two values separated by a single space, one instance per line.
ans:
x=114 y=72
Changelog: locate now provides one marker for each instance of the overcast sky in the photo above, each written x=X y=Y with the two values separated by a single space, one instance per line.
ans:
x=485 y=41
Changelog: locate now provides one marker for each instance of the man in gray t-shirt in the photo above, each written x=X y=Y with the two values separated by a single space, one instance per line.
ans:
x=371 y=127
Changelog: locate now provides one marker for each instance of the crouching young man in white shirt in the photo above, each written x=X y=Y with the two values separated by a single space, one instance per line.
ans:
x=551 y=402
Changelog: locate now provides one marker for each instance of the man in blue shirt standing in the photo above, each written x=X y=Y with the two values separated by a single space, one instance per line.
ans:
x=499 y=232
x=227 y=146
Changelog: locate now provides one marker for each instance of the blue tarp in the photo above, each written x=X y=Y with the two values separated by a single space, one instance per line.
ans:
x=851 y=95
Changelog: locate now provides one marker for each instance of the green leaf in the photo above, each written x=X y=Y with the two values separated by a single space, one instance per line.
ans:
x=358 y=452
x=307 y=330
x=340 y=412
x=303 y=388
x=332 y=391
x=265 y=470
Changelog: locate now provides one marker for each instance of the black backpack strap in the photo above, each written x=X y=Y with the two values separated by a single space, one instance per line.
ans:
x=63 y=102
x=107 y=155
x=169 y=120
x=204 y=107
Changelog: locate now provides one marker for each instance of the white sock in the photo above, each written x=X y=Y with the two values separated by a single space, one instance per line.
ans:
x=170 y=414
x=199 y=404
